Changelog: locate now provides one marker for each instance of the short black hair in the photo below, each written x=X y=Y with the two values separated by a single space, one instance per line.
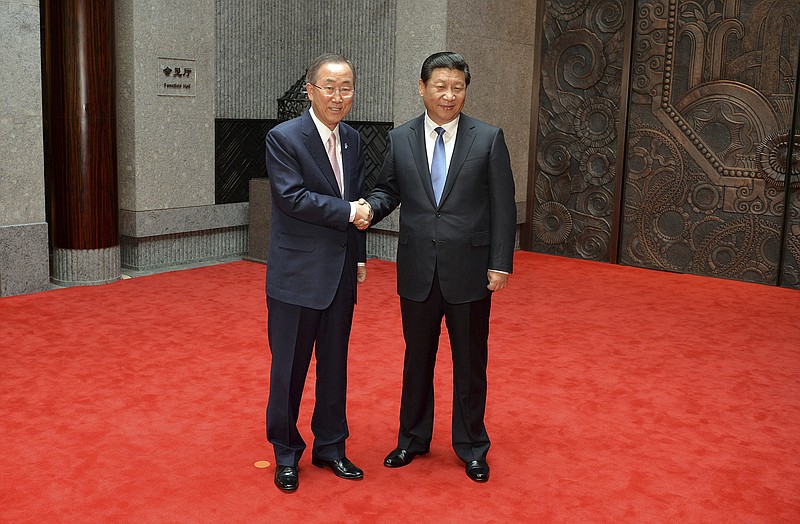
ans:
x=446 y=59
x=326 y=58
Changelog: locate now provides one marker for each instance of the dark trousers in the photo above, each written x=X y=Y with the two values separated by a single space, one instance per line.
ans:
x=293 y=333
x=468 y=327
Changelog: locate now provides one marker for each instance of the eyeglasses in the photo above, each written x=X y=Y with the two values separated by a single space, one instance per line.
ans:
x=344 y=92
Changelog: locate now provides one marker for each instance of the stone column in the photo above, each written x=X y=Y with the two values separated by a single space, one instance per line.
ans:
x=165 y=102
x=421 y=29
x=498 y=44
x=23 y=230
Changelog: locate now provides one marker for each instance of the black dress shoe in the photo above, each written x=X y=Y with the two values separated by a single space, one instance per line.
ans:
x=400 y=457
x=478 y=470
x=342 y=467
x=286 y=478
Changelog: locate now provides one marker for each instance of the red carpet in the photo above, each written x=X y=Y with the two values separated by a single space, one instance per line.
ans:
x=616 y=394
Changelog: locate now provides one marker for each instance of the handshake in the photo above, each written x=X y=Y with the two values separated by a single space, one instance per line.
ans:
x=363 y=217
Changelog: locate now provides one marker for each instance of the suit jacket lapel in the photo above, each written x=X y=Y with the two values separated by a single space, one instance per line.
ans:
x=314 y=145
x=465 y=136
x=416 y=141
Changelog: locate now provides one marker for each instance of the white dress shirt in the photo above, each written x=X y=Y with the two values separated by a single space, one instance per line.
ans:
x=325 y=133
x=450 y=130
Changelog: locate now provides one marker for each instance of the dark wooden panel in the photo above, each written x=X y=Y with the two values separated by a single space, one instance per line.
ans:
x=80 y=120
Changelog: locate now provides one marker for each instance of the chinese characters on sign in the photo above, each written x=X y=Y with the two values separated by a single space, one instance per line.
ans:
x=176 y=77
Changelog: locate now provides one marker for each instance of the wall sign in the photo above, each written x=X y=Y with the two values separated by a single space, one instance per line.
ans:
x=176 y=77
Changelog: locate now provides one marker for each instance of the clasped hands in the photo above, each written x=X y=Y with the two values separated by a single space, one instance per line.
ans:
x=363 y=216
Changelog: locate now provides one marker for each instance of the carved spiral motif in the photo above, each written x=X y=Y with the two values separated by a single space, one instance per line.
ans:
x=554 y=157
x=592 y=243
x=774 y=196
x=649 y=15
x=598 y=202
x=576 y=57
x=794 y=213
x=609 y=15
x=563 y=12
x=749 y=201
x=641 y=82
x=552 y=222
x=651 y=31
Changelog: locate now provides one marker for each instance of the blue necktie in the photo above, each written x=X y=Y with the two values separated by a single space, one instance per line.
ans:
x=438 y=166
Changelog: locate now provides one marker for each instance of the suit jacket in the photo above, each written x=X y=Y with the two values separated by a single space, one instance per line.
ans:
x=471 y=230
x=311 y=238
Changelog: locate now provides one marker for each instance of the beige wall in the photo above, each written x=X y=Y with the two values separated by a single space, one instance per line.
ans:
x=497 y=39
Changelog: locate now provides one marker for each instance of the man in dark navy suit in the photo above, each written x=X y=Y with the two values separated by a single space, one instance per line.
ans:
x=452 y=174
x=316 y=259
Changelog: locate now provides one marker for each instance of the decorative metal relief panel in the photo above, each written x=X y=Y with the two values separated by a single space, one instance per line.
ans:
x=707 y=147
x=577 y=136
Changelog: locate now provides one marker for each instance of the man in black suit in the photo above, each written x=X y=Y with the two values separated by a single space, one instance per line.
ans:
x=452 y=174
x=316 y=258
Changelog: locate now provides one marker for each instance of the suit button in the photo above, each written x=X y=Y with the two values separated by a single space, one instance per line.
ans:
x=438 y=214
x=433 y=240
x=344 y=244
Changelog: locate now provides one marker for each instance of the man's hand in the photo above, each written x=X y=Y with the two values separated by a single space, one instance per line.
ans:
x=497 y=281
x=362 y=274
x=363 y=216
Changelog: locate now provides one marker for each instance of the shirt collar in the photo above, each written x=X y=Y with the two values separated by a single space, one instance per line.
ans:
x=324 y=131
x=450 y=127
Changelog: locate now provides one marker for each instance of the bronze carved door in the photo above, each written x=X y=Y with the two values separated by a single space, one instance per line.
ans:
x=713 y=92
x=661 y=135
